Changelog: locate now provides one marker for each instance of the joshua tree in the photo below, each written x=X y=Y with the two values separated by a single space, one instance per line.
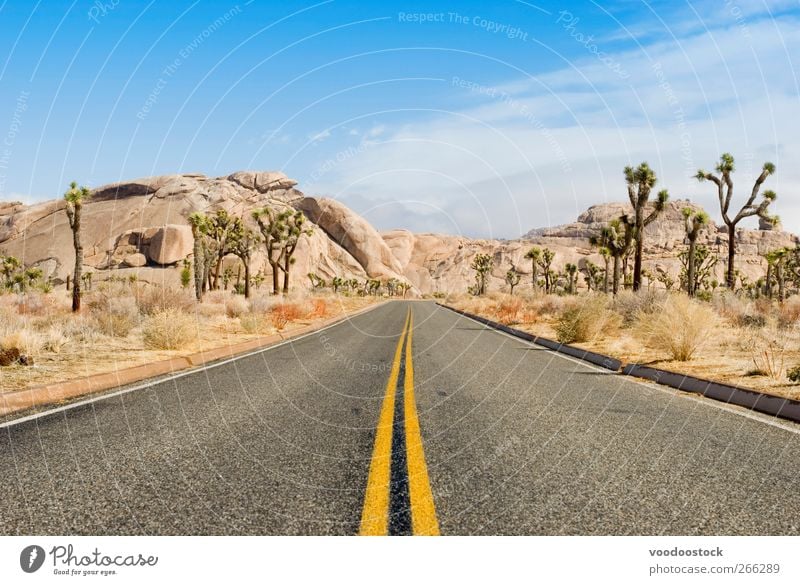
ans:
x=294 y=230
x=482 y=265
x=544 y=263
x=218 y=231
x=572 y=277
x=336 y=283
x=616 y=239
x=534 y=254
x=695 y=221
x=512 y=278
x=9 y=267
x=641 y=181
x=199 y=223
x=316 y=281
x=704 y=263
x=776 y=261
x=724 y=184
x=242 y=241
x=74 y=198
x=591 y=272
x=273 y=230
x=664 y=278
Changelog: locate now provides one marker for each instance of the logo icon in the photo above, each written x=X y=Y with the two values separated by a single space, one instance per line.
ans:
x=31 y=558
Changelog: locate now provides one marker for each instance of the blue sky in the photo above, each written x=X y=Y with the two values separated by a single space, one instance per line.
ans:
x=475 y=118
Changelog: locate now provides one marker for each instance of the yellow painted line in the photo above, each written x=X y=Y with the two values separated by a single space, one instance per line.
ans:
x=375 y=514
x=423 y=512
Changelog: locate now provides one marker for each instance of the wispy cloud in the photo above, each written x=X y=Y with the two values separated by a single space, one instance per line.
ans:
x=541 y=150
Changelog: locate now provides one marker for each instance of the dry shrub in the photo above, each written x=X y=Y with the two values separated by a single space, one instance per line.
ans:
x=738 y=311
x=216 y=297
x=582 y=321
x=155 y=299
x=549 y=305
x=25 y=341
x=632 y=305
x=319 y=309
x=679 y=328
x=169 y=329
x=789 y=313
x=529 y=316
x=284 y=313
x=236 y=306
x=261 y=304
x=83 y=329
x=118 y=318
x=54 y=339
x=32 y=303
x=210 y=311
x=255 y=323
x=508 y=310
x=767 y=349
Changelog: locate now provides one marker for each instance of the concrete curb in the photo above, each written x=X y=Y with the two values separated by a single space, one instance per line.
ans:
x=19 y=400
x=752 y=399
x=598 y=359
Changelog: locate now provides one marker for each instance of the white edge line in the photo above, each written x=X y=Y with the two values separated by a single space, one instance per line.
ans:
x=188 y=372
x=731 y=408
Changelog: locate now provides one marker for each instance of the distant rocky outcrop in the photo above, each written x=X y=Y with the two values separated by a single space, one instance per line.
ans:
x=140 y=227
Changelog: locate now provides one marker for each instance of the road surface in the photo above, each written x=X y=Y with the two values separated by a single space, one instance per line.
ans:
x=408 y=419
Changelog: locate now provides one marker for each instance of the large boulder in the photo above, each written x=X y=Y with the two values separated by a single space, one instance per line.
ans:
x=354 y=234
x=170 y=244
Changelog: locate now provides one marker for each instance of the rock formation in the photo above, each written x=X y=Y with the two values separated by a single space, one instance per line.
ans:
x=140 y=227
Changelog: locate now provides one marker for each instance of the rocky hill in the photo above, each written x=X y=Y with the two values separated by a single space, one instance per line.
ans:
x=140 y=227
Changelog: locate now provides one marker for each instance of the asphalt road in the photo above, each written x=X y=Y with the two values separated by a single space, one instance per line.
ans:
x=509 y=439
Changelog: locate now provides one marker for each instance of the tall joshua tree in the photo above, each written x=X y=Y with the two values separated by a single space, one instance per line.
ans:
x=74 y=198
x=482 y=265
x=544 y=263
x=294 y=230
x=722 y=179
x=199 y=223
x=512 y=278
x=273 y=231
x=534 y=254
x=242 y=242
x=695 y=221
x=641 y=181
x=616 y=238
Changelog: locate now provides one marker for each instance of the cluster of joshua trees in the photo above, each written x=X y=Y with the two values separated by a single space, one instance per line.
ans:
x=623 y=237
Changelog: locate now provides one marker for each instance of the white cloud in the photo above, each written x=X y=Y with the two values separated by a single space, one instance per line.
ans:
x=556 y=144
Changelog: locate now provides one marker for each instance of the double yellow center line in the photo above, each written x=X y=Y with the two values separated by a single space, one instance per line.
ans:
x=398 y=497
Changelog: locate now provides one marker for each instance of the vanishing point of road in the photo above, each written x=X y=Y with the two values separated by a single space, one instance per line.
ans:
x=406 y=419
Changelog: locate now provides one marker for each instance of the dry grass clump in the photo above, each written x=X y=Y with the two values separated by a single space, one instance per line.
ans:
x=261 y=304
x=319 y=309
x=284 y=313
x=255 y=323
x=33 y=303
x=236 y=306
x=25 y=341
x=767 y=347
x=169 y=329
x=583 y=321
x=789 y=313
x=632 y=305
x=118 y=318
x=54 y=339
x=680 y=328
x=155 y=299
x=508 y=310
